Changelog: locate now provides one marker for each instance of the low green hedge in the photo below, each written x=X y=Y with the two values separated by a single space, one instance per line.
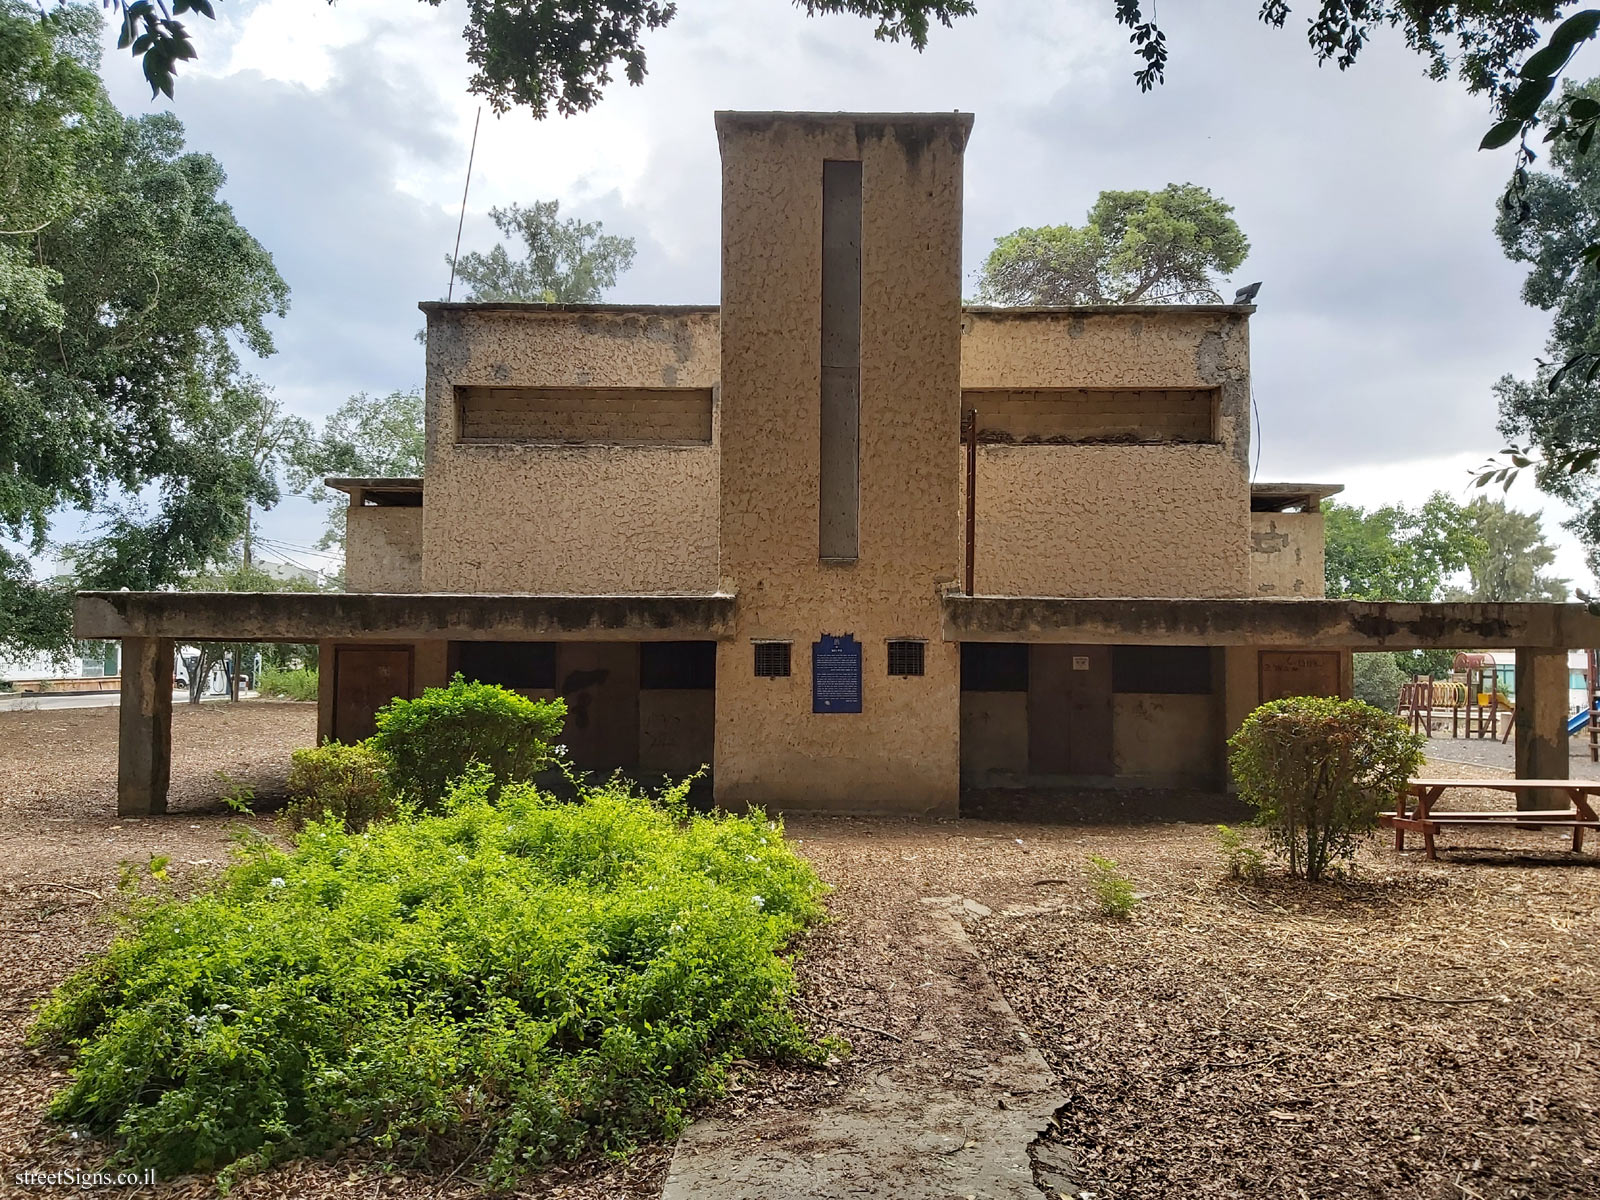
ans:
x=288 y=684
x=528 y=981
x=428 y=742
x=346 y=784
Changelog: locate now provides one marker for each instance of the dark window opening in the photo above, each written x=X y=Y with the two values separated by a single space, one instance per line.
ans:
x=1166 y=670
x=677 y=665
x=994 y=667
x=527 y=666
x=839 y=448
x=772 y=660
x=906 y=657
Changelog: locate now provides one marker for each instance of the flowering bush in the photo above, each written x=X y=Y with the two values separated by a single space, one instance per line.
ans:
x=529 y=979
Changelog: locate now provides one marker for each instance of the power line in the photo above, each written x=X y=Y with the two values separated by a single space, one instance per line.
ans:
x=471 y=154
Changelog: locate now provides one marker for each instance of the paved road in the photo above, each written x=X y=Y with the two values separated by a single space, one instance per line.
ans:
x=38 y=701
x=1486 y=752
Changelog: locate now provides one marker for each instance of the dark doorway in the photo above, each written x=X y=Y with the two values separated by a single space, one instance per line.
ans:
x=365 y=678
x=1069 y=711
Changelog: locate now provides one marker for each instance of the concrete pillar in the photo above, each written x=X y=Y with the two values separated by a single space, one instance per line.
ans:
x=144 y=745
x=1541 y=723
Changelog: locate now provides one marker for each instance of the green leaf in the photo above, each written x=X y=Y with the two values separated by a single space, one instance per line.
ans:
x=1582 y=108
x=1525 y=101
x=1579 y=27
x=1501 y=133
x=1545 y=62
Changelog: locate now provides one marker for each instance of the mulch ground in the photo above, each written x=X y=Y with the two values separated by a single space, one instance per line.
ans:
x=1419 y=1031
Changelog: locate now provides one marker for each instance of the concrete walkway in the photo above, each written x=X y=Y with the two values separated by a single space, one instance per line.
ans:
x=954 y=1117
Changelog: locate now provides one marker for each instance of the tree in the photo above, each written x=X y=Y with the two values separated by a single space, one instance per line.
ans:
x=231 y=459
x=1135 y=246
x=367 y=435
x=1511 y=565
x=1554 y=414
x=561 y=53
x=1399 y=553
x=564 y=262
x=126 y=286
x=1378 y=679
x=237 y=577
x=1395 y=552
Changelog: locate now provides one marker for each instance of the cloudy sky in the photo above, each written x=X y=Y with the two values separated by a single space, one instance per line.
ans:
x=1386 y=312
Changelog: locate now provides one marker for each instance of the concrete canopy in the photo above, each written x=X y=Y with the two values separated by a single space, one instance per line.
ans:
x=310 y=616
x=1298 y=624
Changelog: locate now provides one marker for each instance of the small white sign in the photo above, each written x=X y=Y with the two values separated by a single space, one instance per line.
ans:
x=1080 y=662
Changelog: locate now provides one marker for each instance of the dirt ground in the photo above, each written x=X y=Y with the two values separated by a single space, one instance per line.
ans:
x=1422 y=1030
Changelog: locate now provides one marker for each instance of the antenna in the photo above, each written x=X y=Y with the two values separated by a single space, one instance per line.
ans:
x=450 y=292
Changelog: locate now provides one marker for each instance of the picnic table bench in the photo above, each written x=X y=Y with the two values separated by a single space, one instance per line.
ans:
x=1425 y=819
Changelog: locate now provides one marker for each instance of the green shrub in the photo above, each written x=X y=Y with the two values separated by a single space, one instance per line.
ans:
x=291 y=684
x=431 y=741
x=1243 y=860
x=345 y=784
x=1113 y=891
x=521 y=982
x=1318 y=771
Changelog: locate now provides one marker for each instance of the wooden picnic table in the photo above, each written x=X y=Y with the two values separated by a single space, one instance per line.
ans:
x=1425 y=819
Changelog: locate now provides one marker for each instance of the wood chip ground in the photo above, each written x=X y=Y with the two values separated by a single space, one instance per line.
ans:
x=1421 y=1031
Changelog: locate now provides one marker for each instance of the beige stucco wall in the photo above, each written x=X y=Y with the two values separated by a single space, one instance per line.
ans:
x=1113 y=520
x=1286 y=554
x=1110 y=521
x=901 y=752
x=559 y=519
x=383 y=549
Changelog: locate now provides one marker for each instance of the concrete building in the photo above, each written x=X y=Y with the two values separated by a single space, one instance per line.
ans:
x=845 y=541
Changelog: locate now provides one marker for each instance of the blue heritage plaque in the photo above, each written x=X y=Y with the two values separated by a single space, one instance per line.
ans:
x=836 y=674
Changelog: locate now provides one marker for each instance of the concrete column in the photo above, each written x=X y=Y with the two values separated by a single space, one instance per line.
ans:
x=1541 y=723
x=144 y=746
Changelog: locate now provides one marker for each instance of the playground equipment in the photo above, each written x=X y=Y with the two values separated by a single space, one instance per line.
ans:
x=1471 y=698
x=1474 y=704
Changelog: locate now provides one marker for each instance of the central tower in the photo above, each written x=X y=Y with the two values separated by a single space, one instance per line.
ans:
x=840 y=436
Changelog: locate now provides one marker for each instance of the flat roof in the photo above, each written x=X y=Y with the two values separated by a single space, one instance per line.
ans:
x=519 y=306
x=404 y=485
x=682 y=310
x=727 y=116
x=1104 y=310
x=1275 y=497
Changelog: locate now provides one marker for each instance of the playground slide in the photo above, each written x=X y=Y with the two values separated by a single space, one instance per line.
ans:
x=1578 y=720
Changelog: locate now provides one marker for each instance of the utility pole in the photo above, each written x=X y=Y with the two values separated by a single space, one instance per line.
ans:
x=247 y=535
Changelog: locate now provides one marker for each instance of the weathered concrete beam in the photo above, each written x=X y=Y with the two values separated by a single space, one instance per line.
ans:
x=144 y=727
x=310 y=616
x=1300 y=624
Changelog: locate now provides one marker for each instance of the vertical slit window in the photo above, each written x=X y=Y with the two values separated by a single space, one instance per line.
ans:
x=839 y=465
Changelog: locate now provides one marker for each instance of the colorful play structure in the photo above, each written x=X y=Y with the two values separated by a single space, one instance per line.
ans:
x=1474 y=703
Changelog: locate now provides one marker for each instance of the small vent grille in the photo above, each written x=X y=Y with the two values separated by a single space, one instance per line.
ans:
x=906 y=658
x=772 y=660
